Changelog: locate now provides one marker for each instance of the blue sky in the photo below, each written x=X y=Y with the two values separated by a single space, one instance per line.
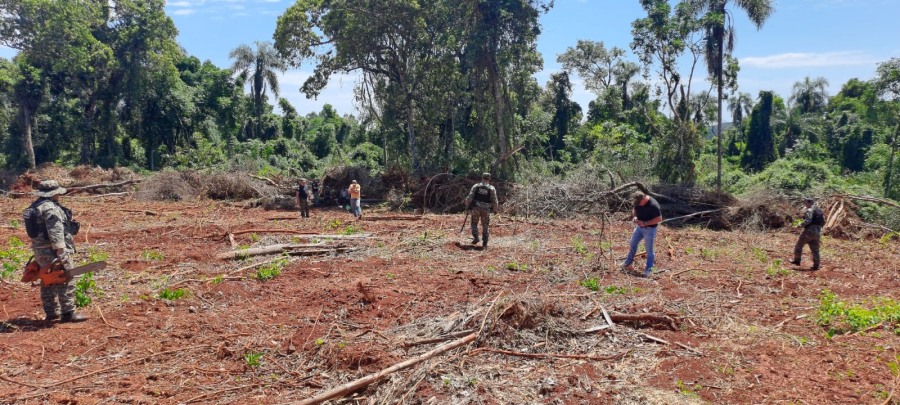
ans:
x=835 y=39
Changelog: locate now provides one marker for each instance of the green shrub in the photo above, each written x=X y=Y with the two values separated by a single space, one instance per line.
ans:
x=841 y=317
x=172 y=295
x=592 y=284
x=83 y=287
x=14 y=257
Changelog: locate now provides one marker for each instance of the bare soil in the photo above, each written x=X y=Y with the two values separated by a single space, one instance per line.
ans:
x=745 y=330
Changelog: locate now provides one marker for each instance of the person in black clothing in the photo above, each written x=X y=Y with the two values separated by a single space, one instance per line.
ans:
x=646 y=216
x=812 y=224
x=303 y=199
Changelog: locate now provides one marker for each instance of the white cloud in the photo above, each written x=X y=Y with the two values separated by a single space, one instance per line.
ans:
x=808 y=60
x=184 y=11
x=179 y=4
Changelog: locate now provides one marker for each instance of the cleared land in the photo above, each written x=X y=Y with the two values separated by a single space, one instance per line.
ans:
x=725 y=321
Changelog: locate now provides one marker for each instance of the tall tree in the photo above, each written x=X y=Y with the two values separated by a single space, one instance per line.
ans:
x=719 y=29
x=29 y=91
x=760 y=149
x=666 y=36
x=887 y=83
x=566 y=113
x=810 y=95
x=261 y=68
x=58 y=36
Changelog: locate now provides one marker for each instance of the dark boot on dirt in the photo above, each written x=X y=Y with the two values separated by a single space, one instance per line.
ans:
x=795 y=262
x=484 y=245
x=72 y=317
x=51 y=317
x=475 y=240
x=814 y=267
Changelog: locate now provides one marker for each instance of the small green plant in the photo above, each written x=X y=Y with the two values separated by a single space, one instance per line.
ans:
x=83 y=287
x=683 y=389
x=391 y=276
x=172 y=295
x=14 y=257
x=516 y=266
x=591 y=284
x=320 y=342
x=96 y=255
x=14 y=223
x=709 y=254
x=760 y=255
x=579 y=246
x=334 y=224
x=889 y=237
x=253 y=359
x=253 y=237
x=217 y=279
x=841 y=317
x=271 y=270
x=350 y=230
x=616 y=290
x=776 y=268
x=152 y=255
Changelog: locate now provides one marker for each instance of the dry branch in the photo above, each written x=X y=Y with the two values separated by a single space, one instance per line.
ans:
x=361 y=383
x=265 y=179
x=693 y=215
x=663 y=320
x=74 y=190
x=550 y=355
x=871 y=199
x=267 y=250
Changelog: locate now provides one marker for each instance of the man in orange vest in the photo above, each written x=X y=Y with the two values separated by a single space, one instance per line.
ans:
x=354 y=190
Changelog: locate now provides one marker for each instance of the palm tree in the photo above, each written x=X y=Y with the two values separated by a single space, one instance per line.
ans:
x=809 y=95
x=719 y=26
x=740 y=107
x=261 y=68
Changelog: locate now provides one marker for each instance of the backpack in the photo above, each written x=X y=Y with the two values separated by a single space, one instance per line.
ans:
x=818 y=217
x=35 y=227
x=31 y=217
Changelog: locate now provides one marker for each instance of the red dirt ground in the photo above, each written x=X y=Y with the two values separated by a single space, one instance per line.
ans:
x=746 y=335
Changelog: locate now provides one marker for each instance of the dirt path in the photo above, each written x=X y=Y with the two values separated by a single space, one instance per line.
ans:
x=745 y=331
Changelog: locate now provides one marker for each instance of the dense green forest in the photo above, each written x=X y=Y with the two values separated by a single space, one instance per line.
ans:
x=444 y=86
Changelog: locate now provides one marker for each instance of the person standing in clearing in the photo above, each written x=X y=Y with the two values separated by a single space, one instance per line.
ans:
x=315 y=193
x=303 y=199
x=355 y=193
x=813 y=220
x=482 y=200
x=52 y=229
x=646 y=216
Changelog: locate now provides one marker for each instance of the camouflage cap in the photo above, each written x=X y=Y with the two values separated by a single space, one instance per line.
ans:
x=49 y=188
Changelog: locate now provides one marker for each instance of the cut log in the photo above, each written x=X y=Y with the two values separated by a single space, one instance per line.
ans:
x=871 y=199
x=694 y=215
x=82 y=189
x=654 y=319
x=361 y=383
x=265 y=179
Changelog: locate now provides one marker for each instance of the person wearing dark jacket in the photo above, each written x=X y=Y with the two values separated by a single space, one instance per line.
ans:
x=813 y=220
x=482 y=200
x=646 y=216
x=303 y=199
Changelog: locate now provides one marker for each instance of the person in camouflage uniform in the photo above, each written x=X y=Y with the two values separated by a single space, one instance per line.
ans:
x=812 y=224
x=54 y=240
x=482 y=200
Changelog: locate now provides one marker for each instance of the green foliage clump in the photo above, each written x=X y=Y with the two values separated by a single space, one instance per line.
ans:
x=172 y=295
x=83 y=287
x=253 y=359
x=152 y=255
x=592 y=284
x=516 y=266
x=14 y=257
x=841 y=317
x=271 y=270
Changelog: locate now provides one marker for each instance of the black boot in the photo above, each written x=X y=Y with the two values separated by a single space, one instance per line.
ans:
x=475 y=239
x=814 y=267
x=51 y=317
x=72 y=317
x=484 y=245
x=795 y=262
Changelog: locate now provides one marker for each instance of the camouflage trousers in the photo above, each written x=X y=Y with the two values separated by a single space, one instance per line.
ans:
x=483 y=215
x=812 y=239
x=304 y=208
x=57 y=298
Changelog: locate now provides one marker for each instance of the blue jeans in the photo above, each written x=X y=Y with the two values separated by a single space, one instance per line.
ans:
x=648 y=234
x=354 y=205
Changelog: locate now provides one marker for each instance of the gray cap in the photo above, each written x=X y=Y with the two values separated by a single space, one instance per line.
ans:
x=485 y=175
x=49 y=188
